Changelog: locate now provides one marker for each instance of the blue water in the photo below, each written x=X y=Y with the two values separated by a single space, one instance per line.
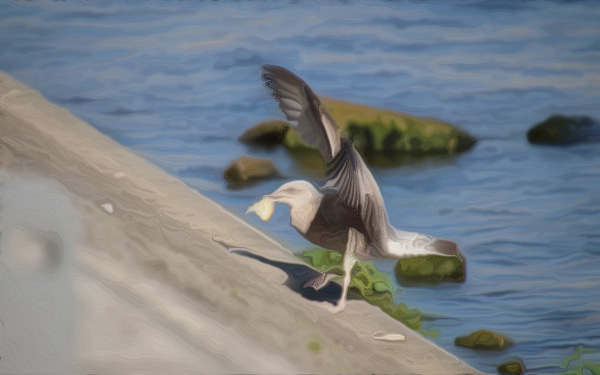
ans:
x=178 y=82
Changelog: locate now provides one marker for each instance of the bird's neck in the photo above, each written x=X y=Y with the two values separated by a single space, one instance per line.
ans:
x=302 y=213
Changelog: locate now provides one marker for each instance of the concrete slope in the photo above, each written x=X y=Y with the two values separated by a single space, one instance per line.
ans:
x=107 y=263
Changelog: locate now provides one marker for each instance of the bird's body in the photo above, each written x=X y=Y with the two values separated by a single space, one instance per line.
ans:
x=347 y=213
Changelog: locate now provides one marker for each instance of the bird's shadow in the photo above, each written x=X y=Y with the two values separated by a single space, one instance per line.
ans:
x=298 y=275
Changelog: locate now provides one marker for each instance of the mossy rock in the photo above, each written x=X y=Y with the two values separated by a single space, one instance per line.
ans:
x=484 y=340
x=267 y=133
x=380 y=133
x=308 y=157
x=368 y=283
x=565 y=130
x=247 y=169
x=430 y=269
x=382 y=137
x=511 y=367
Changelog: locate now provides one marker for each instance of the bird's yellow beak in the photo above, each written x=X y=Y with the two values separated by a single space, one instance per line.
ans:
x=264 y=209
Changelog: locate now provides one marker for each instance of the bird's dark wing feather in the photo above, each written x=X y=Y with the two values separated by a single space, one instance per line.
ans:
x=303 y=109
x=357 y=189
x=352 y=181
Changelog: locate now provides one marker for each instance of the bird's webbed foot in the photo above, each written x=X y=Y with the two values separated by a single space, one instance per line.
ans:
x=320 y=281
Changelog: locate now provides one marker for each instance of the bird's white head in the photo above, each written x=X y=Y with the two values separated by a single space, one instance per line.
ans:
x=294 y=193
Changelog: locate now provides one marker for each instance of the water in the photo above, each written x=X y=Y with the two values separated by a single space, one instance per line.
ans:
x=179 y=82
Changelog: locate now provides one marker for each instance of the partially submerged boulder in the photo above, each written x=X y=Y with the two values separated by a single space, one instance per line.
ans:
x=511 y=367
x=267 y=133
x=484 y=340
x=381 y=134
x=382 y=137
x=565 y=130
x=246 y=169
x=430 y=269
x=308 y=158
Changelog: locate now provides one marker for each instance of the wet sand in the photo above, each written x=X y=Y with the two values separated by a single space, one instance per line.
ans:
x=108 y=264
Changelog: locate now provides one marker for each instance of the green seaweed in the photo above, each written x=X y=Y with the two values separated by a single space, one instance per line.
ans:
x=484 y=339
x=573 y=364
x=384 y=138
x=314 y=346
x=370 y=284
x=308 y=158
x=511 y=367
x=430 y=269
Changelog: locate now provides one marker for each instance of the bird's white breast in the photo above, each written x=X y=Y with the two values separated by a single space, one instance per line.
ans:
x=302 y=215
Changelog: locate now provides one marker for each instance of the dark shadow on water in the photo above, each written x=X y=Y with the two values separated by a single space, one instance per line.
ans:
x=298 y=275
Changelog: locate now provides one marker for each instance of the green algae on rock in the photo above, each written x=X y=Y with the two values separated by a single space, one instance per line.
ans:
x=431 y=269
x=308 y=157
x=366 y=282
x=388 y=134
x=314 y=343
x=383 y=137
x=484 y=340
x=511 y=367
x=247 y=169
x=565 y=130
x=266 y=133
x=576 y=365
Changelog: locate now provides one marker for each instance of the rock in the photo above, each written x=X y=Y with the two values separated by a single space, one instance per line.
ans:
x=383 y=137
x=267 y=133
x=565 y=130
x=511 y=367
x=308 y=157
x=247 y=169
x=430 y=269
x=484 y=340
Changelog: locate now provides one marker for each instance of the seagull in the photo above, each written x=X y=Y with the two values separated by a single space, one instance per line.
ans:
x=346 y=214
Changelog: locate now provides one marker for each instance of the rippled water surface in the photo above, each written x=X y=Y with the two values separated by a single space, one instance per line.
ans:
x=179 y=82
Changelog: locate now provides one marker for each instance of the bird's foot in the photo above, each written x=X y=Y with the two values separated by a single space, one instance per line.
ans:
x=320 y=281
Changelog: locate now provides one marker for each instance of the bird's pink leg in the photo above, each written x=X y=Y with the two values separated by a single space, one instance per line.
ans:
x=355 y=239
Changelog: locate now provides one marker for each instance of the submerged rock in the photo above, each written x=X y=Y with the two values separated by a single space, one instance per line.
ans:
x=565 y=130
x=511 y=367
x=484 y=340
x=382 y=137
x=381 y=134
x=430 y=269
x=267 y=133
x=307 y=157
x=246 y=169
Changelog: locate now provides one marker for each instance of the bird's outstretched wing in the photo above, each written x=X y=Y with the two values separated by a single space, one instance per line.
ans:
x=349 y=176
x=358 y=190
x=304 y=110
